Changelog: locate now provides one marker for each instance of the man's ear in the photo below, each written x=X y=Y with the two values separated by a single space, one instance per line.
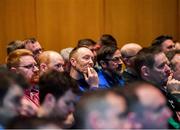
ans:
x=49 y=101
x=145 y=70
x=43 y=67
x=73 y=61
x=103 y=64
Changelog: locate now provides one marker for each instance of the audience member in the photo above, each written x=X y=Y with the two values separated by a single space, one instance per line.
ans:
x=109 y=58
x=50 y=60
x=102 y=109
x=34 y=46
x=128 y=52
x=164 y=42
x=11 y=93
x=65 y=54
x=82 y=62
x=58 y=96
x=148 y=106
x=152 y=65
x=22 y=61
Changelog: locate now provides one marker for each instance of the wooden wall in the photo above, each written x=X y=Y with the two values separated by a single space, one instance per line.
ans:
x=60 y=23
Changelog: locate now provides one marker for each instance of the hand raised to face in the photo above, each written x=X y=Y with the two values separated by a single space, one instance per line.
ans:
x=92 y=78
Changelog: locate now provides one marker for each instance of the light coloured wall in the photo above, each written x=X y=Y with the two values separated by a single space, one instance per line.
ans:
x=60 y=23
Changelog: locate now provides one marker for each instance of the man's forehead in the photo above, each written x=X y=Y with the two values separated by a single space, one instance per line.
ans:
x=27 y=59
x=160 y=57
x=83 y=51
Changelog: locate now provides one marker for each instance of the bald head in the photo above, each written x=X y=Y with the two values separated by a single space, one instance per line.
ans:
x=50 y=60
x=130 y=49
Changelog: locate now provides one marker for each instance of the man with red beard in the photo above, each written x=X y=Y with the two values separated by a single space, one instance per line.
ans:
x=22 y=61
x=82 y=63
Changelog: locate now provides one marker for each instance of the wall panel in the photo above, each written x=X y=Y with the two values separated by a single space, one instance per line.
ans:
x=60 y=23
x=18 y=21
x=140 y=20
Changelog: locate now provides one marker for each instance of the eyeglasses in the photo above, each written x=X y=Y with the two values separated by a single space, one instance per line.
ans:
x=30 y=66
x=115 y=59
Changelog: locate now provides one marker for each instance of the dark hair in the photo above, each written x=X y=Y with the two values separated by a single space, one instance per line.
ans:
x=14 y=45
x=145 y=57
x=7 y=80
x=75 y=50
x=86 y=42
x=105 y=52
x=56 y=83
x=160 y=39
x=108 y=40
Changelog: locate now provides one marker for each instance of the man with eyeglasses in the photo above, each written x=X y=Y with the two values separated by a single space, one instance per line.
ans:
x=34 y=46
x=49 y=60
x=128 y=52
x=109 y=58
x=22 y=61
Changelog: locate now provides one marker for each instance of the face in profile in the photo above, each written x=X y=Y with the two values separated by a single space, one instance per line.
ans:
x=35 y=47
x=56 y=62
x=65 y=105
x=161 y=70
x=115 y=62
x=168 y=45
x=83 y=59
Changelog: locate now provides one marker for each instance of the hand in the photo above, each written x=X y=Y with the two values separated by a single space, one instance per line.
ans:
x=92 y=78
x=173 y=84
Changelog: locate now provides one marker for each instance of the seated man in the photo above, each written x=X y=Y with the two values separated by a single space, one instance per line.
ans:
x=34 y=46
x=82 y=63
x=11 y=93
x=22 y=61
x=147 y=106
x=152 y=65
x=128 y=52
x=164 y=43
x=109 y=58
x=102 y=109
x=58 y=96
x=50 y=60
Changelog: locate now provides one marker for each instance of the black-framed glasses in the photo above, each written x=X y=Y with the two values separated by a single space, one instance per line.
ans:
x=115 y=59
x=30 y=66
